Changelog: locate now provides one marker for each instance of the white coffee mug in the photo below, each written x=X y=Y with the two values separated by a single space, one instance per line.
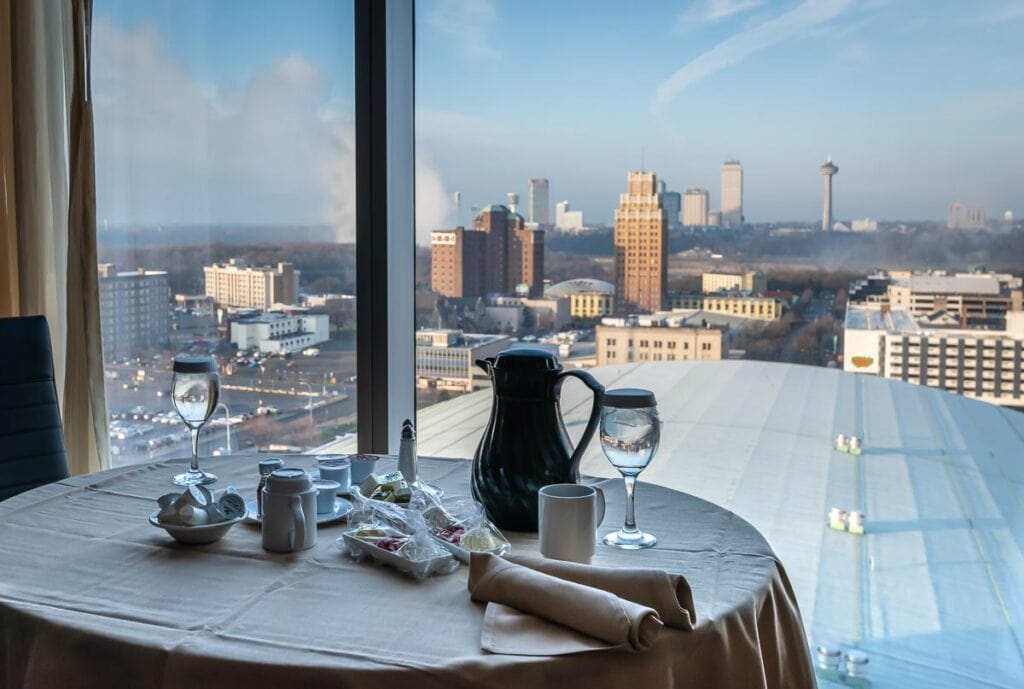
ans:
x=569 y=514
x=289 y=511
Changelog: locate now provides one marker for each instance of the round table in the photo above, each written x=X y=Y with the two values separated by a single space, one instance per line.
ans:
x=92 y=595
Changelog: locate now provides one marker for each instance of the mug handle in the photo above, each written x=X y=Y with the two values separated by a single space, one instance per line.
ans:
x=297 y=534
x=599 y=511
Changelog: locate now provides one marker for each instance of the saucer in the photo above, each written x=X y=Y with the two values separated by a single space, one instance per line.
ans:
x=341 y=510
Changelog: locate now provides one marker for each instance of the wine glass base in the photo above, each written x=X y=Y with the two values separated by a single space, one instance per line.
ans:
x=194 y=478
x=630 y=540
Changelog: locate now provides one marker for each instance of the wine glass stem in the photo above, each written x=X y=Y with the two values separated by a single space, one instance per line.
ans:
x=195 y=448
x=630 y=524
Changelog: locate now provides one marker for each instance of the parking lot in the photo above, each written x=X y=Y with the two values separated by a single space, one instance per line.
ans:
x=266 y=402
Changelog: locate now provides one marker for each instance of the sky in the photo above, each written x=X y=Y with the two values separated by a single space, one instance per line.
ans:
x=228 y=112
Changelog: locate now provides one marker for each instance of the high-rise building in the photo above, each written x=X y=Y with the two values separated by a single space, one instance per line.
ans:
x=672 y=201
x=641 y=246
x=456 y=262
x=732 y=193
x=695 y=207
x=239 y=285
x=498 y=224
x=963 y=218
x=539 y=202
x=526 y=262
x=493 y=258
x=828 y=170
x=134 y=309
x=513 y=201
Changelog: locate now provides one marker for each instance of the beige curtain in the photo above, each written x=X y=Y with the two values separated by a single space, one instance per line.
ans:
x=49 y=247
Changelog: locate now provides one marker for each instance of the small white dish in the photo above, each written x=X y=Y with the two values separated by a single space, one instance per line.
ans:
x=341 y=509
x=417 y=569
x=195 y=535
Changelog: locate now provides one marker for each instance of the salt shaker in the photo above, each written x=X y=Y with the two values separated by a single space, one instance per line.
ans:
x=407 y=452
x=267 y=466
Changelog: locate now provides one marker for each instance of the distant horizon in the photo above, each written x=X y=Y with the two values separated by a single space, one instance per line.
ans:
x=327 y=232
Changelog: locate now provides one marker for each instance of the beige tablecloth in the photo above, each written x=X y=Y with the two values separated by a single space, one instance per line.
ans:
x=92 y=595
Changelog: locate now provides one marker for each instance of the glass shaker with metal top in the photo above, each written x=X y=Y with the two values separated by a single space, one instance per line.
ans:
x=267 y=467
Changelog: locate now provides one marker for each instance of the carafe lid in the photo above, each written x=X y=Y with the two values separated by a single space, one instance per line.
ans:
x=526 y=359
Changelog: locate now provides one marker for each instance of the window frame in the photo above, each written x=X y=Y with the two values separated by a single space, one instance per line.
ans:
x=385 y=59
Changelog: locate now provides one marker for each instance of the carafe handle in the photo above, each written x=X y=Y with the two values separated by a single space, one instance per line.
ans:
x=595 y=411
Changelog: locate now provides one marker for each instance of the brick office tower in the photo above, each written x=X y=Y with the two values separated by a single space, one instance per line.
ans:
x=513 y=255
x=493 y=258
x=456 y=262
x=641 y=246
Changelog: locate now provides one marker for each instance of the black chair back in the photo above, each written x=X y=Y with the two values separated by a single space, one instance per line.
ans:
x=31 y=434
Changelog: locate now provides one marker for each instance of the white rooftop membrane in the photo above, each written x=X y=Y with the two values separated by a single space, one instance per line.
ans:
x=933 y=592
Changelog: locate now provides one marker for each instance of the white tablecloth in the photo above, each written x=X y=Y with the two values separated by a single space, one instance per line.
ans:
x=92 y=595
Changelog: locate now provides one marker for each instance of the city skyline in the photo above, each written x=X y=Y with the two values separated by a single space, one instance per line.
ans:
x=182 y=88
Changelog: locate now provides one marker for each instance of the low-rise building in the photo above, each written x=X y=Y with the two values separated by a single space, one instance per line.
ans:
x=751 y=281
x=520 y=312
x=656 y=338
x=340 y=308
x=134 y=309
x=971 y=299
x=735 y=304
x=864 y=225
x=446 y=359
x=588 y=298
x=278 y=333
x=981 y=364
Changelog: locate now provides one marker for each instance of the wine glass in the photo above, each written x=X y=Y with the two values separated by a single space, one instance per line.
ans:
x=195 y=392
x=630 y=432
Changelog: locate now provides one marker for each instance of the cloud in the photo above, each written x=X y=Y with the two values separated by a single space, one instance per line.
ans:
x=709 y=11
x=171 y=148
x=467 y=21
x=806 y=16
x=434 y=205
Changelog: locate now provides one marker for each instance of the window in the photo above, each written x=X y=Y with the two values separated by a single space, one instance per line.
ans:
x=225 y=200
x=868 y=56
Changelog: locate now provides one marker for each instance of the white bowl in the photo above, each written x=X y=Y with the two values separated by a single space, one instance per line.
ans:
x=195 y=535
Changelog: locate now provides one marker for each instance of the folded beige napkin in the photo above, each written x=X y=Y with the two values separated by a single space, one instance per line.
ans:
x=546 y=607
